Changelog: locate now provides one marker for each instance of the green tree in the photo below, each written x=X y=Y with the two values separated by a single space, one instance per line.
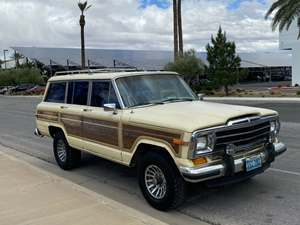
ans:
x=286 y=11
x=189 y=65
x=223 y=61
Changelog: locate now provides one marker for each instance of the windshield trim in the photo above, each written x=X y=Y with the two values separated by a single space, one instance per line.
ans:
x=188 y=88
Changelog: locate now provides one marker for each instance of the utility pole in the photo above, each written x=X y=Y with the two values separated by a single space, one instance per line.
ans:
x=175 y=29
x=83 y=8
x=180 y=36
x=177 y=23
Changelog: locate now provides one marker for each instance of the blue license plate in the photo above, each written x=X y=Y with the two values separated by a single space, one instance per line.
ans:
x=253 y=163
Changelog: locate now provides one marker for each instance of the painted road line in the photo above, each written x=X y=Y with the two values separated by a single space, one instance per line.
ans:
x=285 y=171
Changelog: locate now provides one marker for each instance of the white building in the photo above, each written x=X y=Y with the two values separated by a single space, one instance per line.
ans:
x=288 y=41
x=11 y=63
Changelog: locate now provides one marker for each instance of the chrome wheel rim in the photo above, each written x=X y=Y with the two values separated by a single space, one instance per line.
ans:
x=61 y=150
x=155 y=181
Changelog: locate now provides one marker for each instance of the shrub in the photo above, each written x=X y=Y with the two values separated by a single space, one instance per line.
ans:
x=298 y=92
x=20 y=76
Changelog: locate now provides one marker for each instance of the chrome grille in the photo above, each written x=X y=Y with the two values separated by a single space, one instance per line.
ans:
x=245 y=136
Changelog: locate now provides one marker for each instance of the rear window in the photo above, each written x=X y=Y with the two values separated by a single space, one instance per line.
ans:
x=56 y=93
x=80 y=93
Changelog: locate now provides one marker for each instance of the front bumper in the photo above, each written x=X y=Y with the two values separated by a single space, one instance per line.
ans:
x=231 y=167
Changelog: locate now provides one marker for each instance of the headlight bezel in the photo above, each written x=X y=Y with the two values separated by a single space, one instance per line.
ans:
x=209 y=140
x=275 y=126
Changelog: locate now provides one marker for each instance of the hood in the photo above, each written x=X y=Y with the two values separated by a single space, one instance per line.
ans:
x=191 y=116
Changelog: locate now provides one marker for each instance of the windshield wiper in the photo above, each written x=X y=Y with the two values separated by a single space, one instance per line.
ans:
x=178 y=99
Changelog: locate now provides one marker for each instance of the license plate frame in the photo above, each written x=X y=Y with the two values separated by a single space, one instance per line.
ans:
x=253 y=163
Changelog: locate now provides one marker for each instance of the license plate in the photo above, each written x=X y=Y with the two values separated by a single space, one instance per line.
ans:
x=253 y=163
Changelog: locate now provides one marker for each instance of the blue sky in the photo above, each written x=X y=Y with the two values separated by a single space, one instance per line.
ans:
x=232 y=5
x=235 y=4
x=159 y=3
x=133 y=24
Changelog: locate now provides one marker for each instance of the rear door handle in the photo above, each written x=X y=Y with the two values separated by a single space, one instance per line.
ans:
x=87 y=110
x=64 y=107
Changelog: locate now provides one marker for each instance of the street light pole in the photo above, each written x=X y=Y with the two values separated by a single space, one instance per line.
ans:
x=5 y=50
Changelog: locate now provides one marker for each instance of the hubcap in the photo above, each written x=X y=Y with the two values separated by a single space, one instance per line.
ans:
x=61 y=150
x=155 y=182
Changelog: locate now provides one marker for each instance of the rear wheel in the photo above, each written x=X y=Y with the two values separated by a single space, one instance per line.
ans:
x=160 y=182
x=66 y=157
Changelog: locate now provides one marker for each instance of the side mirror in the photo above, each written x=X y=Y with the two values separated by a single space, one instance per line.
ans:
x=201 y=97
x=110 y=107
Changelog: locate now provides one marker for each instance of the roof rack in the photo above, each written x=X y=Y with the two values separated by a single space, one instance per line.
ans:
x=92 y=71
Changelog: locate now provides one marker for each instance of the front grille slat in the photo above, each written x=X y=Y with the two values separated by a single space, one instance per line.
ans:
x=252 y=134
x=244 y=133
x=245 y=139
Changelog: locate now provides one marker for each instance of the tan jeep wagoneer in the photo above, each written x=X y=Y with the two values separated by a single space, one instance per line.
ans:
x=154 y=121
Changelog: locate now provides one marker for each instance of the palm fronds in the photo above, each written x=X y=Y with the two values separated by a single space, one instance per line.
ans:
x=285 y=12
x=83 y=6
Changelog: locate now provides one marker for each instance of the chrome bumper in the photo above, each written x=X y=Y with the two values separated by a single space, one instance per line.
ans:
x=219 y=170
x=38 y=133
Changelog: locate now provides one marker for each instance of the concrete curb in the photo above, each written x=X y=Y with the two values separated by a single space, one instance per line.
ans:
x=130 y=215
x=271 y=99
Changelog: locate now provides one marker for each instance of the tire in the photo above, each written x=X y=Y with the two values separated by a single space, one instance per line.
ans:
x=66 y=157
x=172 y=187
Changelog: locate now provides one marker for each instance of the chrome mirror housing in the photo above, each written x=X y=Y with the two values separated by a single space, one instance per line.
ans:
x=110 y=107
x=201 y=97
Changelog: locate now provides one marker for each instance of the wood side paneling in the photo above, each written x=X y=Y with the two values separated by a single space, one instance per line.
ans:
x=100 y=131
x=47 y=116
x=132 y=133
x=72 y=124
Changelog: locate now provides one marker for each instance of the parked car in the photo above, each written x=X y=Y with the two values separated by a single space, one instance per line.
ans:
x=36 y=90
x=153 y=121
x=6 y=90
x=22 y=88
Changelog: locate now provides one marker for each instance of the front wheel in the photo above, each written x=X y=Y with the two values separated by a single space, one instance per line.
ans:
x=160 y=182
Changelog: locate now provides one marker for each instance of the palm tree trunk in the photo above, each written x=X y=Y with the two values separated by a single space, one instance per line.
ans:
x=180 y=29
x=175 y=23
x=82 y=24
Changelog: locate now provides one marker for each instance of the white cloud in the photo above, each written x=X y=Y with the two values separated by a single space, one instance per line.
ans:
x=123 y=24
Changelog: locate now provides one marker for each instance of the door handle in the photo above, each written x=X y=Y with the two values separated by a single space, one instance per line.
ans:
x=87 y=110
x=63 y=107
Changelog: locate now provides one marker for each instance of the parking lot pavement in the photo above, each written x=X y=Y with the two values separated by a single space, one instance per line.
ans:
x=270 y=198
x=31 y=196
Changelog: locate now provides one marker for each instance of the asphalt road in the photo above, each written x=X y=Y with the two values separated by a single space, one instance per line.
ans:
x=270 y=198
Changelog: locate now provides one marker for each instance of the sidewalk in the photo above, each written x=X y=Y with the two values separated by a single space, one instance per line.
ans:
x=31 y=196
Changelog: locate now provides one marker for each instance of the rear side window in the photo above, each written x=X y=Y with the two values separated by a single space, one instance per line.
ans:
x=56 y=93
x=103 y=93
x=80 y=93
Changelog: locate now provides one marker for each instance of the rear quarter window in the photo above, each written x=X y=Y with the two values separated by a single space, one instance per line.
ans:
x=56 y=93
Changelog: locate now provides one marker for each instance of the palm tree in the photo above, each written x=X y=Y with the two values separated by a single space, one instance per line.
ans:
x=180 y=29
x=83 y=6
x=286 y=11
x=175 y=23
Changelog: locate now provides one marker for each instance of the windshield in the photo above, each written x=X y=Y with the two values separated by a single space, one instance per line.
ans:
x=153 y=89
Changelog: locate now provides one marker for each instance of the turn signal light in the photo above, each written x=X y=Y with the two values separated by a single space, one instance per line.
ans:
x=200 y=161
x=178 y=142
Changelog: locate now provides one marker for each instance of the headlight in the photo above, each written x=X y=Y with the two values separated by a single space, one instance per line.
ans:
x=274 y=129
x=202 y=144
